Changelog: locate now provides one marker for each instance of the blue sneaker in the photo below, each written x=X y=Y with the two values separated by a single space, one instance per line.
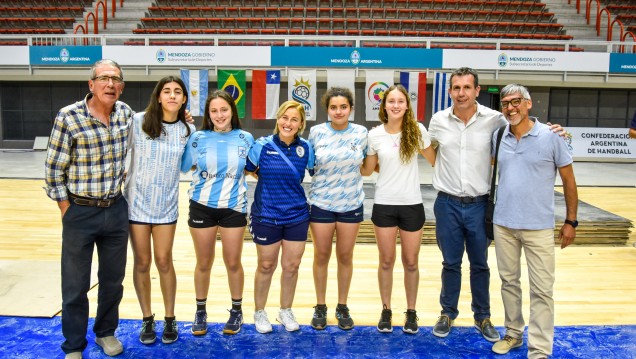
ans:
x=200 y=324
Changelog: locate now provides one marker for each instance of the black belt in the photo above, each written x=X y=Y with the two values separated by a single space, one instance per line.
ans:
x=93 y=202
x=464 y=200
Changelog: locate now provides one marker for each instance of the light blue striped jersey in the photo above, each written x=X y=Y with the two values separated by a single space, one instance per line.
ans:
x=152 y=182
x=337 y=182
x=218 y=180
x=279 y=197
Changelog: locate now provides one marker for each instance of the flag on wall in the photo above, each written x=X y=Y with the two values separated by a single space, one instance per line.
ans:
x=377 y=83
x=265 y=94
x=233 y=82
x=197 y=86
x=415 y=84
x=302 y=88
x=345 y=78
x=441 y=98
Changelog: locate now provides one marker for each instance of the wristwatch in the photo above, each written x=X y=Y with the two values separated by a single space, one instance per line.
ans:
x=573 y=223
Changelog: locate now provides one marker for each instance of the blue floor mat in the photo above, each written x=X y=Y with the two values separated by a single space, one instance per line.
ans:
x=41 y=338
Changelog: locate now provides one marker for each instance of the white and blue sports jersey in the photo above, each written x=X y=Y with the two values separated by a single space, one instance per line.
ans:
x=279 y=197
x=337 y=183
x=152 y=182
x=218 y=180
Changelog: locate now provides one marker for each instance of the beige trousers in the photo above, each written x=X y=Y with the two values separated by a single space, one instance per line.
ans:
x=538 y=246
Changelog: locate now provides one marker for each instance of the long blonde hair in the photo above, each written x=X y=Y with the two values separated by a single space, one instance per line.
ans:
x=411 y=135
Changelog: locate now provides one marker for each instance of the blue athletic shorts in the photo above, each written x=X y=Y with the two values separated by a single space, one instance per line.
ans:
x=319 y=215
x=267 y=233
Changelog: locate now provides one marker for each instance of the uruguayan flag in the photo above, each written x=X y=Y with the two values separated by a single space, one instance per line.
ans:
x=441 y=98
x=197 y=83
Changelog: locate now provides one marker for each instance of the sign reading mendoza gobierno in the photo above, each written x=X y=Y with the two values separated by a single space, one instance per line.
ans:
x=623 y=63
x=64 y=55
x=356 y=57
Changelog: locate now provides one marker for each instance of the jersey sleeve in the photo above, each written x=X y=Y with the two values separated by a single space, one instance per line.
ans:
x=188 y=158
x=254 y=155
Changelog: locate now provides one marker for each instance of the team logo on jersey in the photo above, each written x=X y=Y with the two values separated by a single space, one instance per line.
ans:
x=300 y=151
x=242 y=152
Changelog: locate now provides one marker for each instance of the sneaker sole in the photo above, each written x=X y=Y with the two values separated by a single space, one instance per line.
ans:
x=492 y=340
x=168 y=341
x=345 y=328
x=319 y=327
x=229 y=331
x=264 y=331
x=409 y=331
x=440 y=335
x=385 y=330
x=148 y=342
x=199 y=332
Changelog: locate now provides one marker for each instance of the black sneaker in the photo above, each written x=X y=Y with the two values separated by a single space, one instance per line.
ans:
x=487 y=330
x=147 y=334
x=200 y=324
x=170 y=332
x=443 y=326
x=384 y=325
x=410 y=324
x=319 y=321
x=344 y=319
x=235 y=322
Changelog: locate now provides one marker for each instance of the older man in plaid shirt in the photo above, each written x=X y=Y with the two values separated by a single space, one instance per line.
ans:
x=84 y=172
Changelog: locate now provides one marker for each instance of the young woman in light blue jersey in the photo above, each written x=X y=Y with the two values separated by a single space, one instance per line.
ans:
x=156 y=140
x=218 y=202
x=336 y=198
x=279 y=218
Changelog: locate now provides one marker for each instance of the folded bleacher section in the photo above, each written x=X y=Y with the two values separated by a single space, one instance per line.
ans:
x=396 y=19
x=49 y=17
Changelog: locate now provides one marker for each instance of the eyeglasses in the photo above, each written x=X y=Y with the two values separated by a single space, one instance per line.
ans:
x=105 y=78
x=515 y=102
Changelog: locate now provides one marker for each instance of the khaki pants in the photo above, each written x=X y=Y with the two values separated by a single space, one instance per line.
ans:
x=538 y=246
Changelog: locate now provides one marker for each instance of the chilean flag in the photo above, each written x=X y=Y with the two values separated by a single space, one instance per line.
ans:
x=265 y=94
x=415 y=84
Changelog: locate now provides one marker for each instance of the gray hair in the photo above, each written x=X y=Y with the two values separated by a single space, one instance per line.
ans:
x=105 y=62
x=513 y=89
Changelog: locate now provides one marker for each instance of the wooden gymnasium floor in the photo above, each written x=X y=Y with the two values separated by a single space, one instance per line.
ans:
x=595 y=285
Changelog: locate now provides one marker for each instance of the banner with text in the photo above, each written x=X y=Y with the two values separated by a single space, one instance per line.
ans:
x=358 y=57
x=607 y=143
x=64 y=55
x=189 y=55
x=527 y=60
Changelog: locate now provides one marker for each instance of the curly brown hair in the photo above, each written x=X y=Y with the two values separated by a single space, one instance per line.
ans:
x=411 y=135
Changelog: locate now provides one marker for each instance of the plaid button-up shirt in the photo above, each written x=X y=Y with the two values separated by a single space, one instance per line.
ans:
x=86 y=157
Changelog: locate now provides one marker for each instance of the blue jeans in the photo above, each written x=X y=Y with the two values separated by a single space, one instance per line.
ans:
x=84 y=228
x=458 y=226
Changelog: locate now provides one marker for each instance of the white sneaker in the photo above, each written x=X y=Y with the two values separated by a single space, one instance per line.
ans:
x=261 y=322
x=286 y=317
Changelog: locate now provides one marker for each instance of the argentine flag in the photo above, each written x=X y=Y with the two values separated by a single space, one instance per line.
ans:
x=197 y=84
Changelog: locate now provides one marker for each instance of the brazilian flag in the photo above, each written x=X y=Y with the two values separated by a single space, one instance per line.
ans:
x=233 y=82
